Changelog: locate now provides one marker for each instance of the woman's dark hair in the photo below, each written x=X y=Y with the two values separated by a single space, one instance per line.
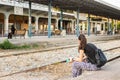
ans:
x=83 y=41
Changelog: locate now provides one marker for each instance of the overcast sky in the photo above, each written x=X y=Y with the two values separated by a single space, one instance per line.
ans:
x=114 y=2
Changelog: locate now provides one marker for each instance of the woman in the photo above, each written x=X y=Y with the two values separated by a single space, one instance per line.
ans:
x=83 y=62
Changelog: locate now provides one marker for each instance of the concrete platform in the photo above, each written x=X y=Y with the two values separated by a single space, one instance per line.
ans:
x=110 y=71
x=58 y=39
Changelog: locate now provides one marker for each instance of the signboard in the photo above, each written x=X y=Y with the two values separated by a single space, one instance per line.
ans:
x=82 y=16
x=18 y=10
x=54 y=13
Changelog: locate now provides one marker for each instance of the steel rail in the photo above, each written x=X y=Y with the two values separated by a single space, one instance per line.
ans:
x=44 y=50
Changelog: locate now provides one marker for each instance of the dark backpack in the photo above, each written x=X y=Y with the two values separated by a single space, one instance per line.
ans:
x=99 y=55
x=100 y=58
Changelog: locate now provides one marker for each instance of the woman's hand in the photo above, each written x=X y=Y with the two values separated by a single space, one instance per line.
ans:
x=71 y=59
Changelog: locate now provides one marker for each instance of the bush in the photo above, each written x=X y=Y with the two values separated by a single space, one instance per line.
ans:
x=7 y=45
x=23 y=47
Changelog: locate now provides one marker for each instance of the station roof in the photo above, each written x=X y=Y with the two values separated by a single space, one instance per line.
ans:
x=95 y=7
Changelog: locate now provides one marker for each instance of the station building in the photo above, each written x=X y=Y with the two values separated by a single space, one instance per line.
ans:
x=16 y=13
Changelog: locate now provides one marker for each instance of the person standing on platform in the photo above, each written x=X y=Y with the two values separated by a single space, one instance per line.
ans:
x=13 y=30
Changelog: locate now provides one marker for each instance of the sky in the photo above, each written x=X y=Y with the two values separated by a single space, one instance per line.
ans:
x=113 y=2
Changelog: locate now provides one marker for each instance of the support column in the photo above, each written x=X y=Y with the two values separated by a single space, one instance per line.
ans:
x=83 y=27
x=104 y=26
x=91 y=28
x=73 y=26
x=30 y=25
x=88 y=24
x=6 y=23
x=95 y=28
x=116 y=25
x=109 y=29
x=36 y=24
x=49 y=18
x=100 y=26
x=113 y=27
x=56 y=25
x=68 y=27
x=77 y=27
x=61 y=20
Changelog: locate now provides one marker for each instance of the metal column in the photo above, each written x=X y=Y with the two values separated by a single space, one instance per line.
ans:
x=88 y=24
x=96 y=28
x=30 y=25
x=77 y=27
x=49 y=18
x=116 y=25
x=61 y=20
x=112 y=27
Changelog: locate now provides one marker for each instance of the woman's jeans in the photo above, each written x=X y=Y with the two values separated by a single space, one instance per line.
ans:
x=77 y=67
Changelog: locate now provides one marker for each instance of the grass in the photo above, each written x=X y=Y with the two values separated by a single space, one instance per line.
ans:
x=6 y=44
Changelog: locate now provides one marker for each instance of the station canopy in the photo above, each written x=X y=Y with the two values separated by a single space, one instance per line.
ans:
x=94 y=7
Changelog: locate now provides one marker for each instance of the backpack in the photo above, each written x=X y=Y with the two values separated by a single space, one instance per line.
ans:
x=99 y=55
x=100 y=58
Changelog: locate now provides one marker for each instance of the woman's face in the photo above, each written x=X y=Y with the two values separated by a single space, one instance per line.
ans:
x=79 y=41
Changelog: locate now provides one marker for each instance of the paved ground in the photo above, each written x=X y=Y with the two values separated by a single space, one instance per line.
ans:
x=57 y=39
x=111 y=72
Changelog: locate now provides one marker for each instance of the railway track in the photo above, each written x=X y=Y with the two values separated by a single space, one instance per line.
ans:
x=28 y=70
x=45 y=50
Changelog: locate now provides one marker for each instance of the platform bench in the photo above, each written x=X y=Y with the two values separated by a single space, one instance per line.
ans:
x=20 y=33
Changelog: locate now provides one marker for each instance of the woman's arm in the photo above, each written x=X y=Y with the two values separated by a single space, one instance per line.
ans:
x=84 y=57
x=81 y=56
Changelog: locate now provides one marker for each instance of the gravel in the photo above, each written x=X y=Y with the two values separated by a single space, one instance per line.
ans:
x=22 y=62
